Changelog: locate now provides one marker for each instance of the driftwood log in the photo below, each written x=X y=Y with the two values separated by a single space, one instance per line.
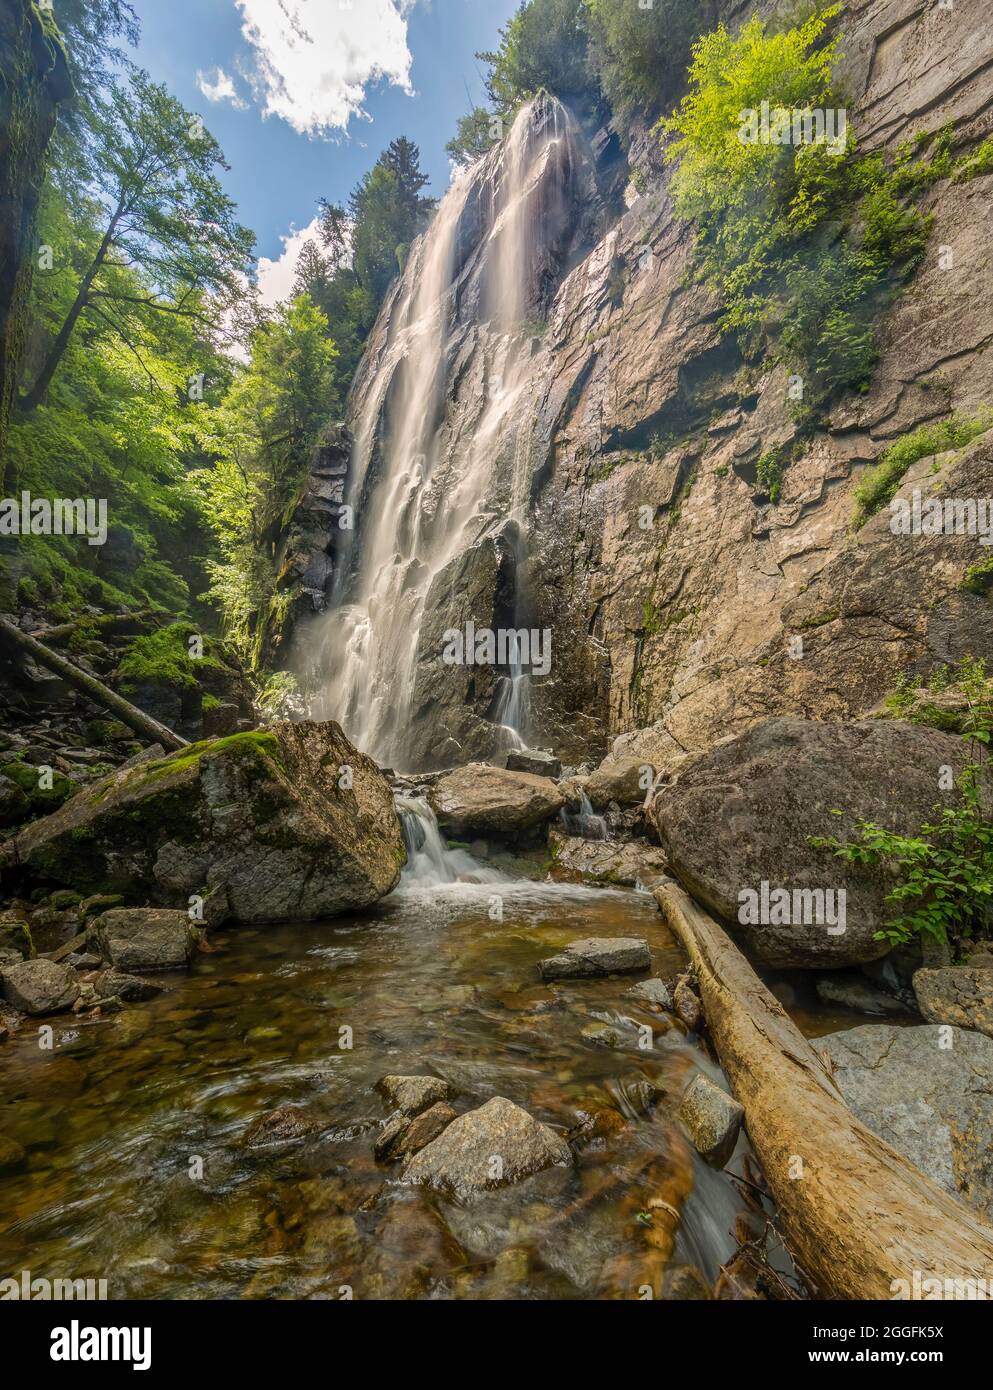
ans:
x=136 y=719
x=859 y=1218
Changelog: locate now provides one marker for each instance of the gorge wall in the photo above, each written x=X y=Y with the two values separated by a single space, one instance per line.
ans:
x=674 y=587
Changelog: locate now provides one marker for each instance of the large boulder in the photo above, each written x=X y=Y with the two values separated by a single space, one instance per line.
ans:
x=928 y=1091
x=624 y=863
x=39 y=986
x=491 y=800
x=294 y=822
x=742 y=815
x=490 y=1147
x=619 y=779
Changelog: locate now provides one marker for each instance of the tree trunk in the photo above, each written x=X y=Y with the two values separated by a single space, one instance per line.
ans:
x=857 y=1216
x=34 y=78
x=127 y=713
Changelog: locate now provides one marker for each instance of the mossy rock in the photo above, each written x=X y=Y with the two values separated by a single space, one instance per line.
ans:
x=263 y=813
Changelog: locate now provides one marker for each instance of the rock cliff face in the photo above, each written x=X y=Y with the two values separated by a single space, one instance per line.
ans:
x=674 y=587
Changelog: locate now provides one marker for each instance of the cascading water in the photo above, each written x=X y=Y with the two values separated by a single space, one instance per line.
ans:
x=585 y=822
x=427 y=488
x=430 y=863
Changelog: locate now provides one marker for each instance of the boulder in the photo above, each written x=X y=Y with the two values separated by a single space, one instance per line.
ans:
x=617 y=779
x=593 y=956
x=537 y=763
x=625 y=863
x=712 y=1119
x=958 y=994
x=147 y=938
x=742 y=815
x=928 y=1091
x=268 y=815
x=491 y=800
x=40 y=986
x=412 y=1094
x=490 y=1147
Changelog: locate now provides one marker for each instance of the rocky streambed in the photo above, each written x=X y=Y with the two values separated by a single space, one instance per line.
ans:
x=233 y=1136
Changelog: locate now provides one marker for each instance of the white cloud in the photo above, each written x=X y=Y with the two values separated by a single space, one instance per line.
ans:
x=315 y=58
x=276 y=276
x=220 y=87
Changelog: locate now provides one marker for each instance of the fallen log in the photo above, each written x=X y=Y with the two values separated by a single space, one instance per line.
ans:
x=858 y=1217
x=90 y=686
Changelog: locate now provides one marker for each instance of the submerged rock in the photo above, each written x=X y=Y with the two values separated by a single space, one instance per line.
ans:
x=713 y=1119
x=490 y=1147
x=111 y=984
x=958 y=994
x=12 y=1154
x=492 y=800
x=610 y=955
x=652 y=991
x=743 y=814
x=854 y=992
x=928 y=1091
x=294 y=822
x=40 y=986
x=146 y=938
x=281 y=1126
x=412 y=1094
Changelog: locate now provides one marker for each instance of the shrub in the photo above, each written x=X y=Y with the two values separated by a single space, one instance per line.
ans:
x=882 y=482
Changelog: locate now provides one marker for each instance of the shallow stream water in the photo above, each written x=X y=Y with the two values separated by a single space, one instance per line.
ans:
x=122 y=1116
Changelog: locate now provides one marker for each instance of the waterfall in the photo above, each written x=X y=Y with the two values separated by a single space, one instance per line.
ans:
x=441 y=464
x=430 y=863
x=587 y=823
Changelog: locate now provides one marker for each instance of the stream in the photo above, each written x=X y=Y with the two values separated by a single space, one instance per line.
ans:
x=136 y=1172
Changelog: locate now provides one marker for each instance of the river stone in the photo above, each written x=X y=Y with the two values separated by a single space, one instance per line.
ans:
x=490 y=1147
x=743 y=814
x=958 y=994
x=111 y=984
x=280 y=1126
x=412 y=1094
x=537 y=763
x=713 y=1119
x=596 y=955
x=268 y=815
x=928 y=1091
x=652 y=991
x=854 y=992
x=146 y=938
x=491 y=800
x=421 y=1130
x=12 y=1155
x=40 y=986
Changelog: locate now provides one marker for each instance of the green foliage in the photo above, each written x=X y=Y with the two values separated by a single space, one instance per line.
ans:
x=943 y=876
x=800 y=241
x=882 y=482
x=263 y=434
x=769 y=473
x=956 y=698
x=979 y=578
x=640 y=55
x=543 y=48
x=165 y=657
x=277 y=695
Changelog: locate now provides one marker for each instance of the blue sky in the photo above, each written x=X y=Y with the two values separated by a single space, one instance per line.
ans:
x=304 y=94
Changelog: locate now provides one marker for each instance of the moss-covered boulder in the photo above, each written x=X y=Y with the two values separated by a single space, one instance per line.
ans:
x=294 y=822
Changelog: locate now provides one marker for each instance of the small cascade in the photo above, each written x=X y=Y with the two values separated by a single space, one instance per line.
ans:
x=430 y=863
x=586 y=823
x=512 y=703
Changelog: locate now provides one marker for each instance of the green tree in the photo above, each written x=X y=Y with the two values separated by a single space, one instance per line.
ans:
x=153 y=166
x=640 y=55
x=263 y=436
